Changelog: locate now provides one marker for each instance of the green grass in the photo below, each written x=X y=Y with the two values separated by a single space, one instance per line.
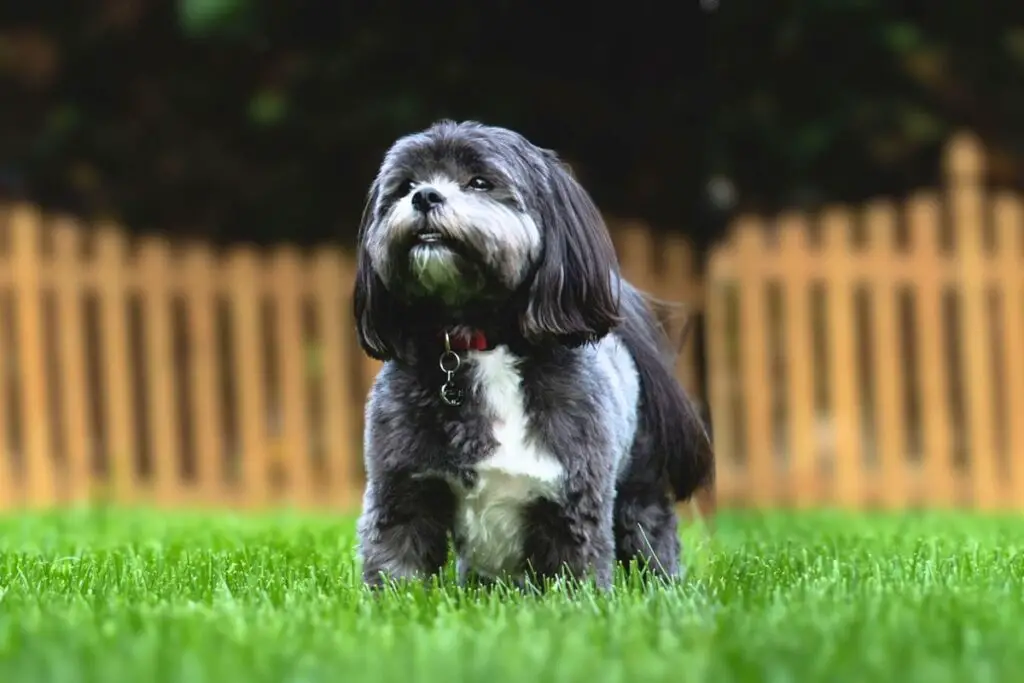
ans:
x=136 y=597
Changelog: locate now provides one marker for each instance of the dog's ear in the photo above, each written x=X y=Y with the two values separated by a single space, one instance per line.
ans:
x=373 y=306
x=574 y=294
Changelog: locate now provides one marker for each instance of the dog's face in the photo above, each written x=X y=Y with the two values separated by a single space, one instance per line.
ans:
x=463 y=214
x=450 y=218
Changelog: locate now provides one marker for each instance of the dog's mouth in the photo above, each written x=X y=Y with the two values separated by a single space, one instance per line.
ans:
x=429 y=236
x=426 y=239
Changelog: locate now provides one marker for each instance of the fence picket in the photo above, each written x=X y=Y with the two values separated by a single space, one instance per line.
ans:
x=887 y=378
x=26 y=237
x=1009 y=220
x=636 y=255
x=165 y=447
x=845 y=405
x=964 y=169
x=803 y=469
x=924 y=219
x=721 y=376
x=370 y=367
x=111 y=254
x=9 y=486
x=761 y=475
x=248 y=370
x=71 y=333
x=292 y=358
x=207 y=415
x=341 y=422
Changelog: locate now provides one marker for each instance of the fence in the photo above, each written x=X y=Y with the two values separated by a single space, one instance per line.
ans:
x=856 y=357
x=146 y=371
x=874 y=357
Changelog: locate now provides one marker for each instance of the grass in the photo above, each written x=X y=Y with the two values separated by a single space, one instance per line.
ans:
x=137 y=597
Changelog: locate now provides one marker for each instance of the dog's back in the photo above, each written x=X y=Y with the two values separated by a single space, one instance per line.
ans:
x=671 y=436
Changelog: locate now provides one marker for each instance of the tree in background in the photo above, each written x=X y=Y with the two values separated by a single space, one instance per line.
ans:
x=246 y=119
x=845 y=99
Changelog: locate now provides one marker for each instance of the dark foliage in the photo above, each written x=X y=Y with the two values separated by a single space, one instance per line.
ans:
x=266 y=120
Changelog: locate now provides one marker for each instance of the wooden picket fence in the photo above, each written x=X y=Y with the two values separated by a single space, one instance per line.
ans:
x=874 y=357
x=857 y=357
x=168 y=373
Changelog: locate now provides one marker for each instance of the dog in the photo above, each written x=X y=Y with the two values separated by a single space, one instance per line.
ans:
x=526 y=407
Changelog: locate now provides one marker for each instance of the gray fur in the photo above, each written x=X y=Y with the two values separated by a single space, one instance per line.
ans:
x=573 y=425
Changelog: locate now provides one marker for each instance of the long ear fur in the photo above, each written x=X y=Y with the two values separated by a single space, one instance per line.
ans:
x=374 y=307
x=679 y=441
x=574 y=295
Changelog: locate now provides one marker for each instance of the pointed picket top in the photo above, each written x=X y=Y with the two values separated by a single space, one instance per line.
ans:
x=965 y=157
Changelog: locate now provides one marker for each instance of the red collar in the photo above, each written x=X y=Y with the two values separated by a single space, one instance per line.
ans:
x=468 y=340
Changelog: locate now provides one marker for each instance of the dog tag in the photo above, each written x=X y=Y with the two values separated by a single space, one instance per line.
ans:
x=451 y=394
x=449 y=363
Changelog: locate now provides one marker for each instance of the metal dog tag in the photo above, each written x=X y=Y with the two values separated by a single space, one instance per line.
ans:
x=449 y=363
x=451 y=394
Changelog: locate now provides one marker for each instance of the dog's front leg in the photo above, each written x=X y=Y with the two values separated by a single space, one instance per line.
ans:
x=403 y=530
x=573 y=536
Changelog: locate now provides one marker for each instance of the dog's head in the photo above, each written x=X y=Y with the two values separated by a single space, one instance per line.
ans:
x=463 y=216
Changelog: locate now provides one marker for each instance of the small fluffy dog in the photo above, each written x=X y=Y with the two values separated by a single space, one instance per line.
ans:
x=527 y=405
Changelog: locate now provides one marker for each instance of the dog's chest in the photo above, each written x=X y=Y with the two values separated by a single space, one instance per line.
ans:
x=519 y=471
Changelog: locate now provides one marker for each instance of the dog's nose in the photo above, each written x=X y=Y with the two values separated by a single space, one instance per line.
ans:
x=426 y=198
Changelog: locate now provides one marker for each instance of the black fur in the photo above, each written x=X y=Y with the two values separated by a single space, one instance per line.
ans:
x=574 y=294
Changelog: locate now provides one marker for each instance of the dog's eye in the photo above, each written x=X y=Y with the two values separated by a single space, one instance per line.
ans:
x=405 y=187
x=480 y=183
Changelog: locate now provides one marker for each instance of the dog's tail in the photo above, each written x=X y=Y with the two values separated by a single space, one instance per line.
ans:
x=678 y=437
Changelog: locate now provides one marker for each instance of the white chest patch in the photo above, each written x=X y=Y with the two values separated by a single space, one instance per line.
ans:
x=519 y=471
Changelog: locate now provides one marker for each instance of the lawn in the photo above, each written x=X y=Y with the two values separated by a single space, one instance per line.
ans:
x=137 y=597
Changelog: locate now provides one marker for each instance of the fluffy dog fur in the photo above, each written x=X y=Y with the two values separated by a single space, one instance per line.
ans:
x=573 y=439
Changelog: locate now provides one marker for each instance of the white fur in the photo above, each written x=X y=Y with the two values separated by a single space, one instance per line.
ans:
x=494 y=229
x=516 y=231
x=490 y=515
x=435 y=268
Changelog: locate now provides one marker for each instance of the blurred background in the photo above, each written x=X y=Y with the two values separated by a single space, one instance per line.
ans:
x=830 y=187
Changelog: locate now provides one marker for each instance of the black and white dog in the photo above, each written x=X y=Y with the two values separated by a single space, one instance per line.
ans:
x=527 y=404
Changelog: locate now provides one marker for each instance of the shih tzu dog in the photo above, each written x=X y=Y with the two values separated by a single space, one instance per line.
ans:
x=527 y=407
